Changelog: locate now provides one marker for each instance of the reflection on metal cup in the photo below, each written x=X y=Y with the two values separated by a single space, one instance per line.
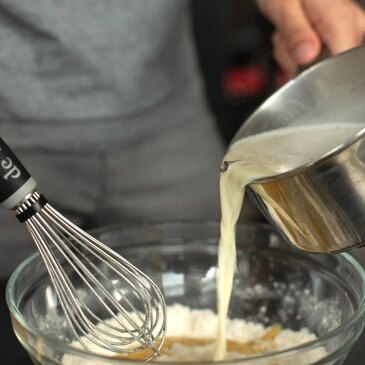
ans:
x=321 y=206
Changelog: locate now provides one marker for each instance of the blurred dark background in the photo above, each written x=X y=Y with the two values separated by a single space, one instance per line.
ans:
x=233 y=43
x=234 y=47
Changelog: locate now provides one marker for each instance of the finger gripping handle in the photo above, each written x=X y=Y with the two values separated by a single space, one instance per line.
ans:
x=15 y=181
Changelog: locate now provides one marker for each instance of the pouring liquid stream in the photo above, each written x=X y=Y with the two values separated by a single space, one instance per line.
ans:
x=252 y=158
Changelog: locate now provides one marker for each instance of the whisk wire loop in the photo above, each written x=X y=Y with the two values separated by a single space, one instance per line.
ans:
x=107 y=302
x=144 y=284
x=130 y=314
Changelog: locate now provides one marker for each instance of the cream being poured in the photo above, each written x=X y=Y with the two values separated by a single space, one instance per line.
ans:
x=252 y=158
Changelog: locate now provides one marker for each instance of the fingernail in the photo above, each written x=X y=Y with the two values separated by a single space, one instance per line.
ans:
x=304 y=52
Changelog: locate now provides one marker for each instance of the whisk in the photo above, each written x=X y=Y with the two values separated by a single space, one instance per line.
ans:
x=108 y=302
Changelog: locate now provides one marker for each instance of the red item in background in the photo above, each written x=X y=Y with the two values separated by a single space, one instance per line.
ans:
x=280 y=77
x=242 y=82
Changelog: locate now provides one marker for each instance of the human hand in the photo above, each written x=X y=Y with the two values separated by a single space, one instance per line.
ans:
x=304 y=27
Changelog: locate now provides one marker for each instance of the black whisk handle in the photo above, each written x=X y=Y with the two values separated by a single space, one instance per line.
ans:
x=15 y=181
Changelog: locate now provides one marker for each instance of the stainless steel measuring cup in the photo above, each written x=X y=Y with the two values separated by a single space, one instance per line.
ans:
x=320 y=206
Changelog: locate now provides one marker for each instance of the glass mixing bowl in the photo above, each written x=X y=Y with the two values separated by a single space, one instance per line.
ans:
x=274 y=283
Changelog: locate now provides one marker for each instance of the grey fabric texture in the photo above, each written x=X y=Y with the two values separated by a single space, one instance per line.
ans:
x=104 y=103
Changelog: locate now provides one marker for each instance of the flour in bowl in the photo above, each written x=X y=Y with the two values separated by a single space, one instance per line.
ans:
x=191 y=337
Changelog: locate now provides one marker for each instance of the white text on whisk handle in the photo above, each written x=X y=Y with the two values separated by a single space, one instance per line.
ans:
x=13 y=171
x=15 y=181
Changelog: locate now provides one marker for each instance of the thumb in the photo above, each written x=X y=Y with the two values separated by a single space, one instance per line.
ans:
x=291 y=22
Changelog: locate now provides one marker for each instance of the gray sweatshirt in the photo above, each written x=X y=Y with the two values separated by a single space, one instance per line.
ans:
x=103 y=100
x=67 y=64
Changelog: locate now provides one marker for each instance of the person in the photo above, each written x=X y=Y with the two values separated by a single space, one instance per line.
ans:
x=303 y=28
x=103 y=102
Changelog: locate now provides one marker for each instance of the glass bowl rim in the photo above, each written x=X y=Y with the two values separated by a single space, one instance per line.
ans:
x=70 y=350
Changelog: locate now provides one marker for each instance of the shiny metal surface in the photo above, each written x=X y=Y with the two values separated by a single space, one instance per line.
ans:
x=319 y=207
x=107 y=301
